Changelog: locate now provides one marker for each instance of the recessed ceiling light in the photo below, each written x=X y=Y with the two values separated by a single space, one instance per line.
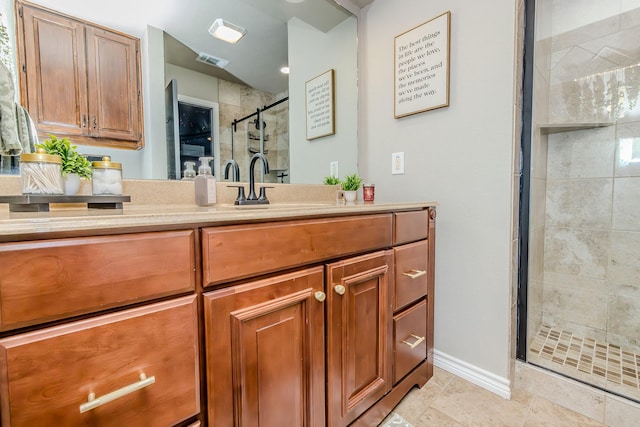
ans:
x=226 y=31
x=284 y=70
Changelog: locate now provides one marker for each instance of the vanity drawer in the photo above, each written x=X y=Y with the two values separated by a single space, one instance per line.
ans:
x=410 y=339
x=47 y=375
x=240 y=251
x=410 y=226
x=410 y=273
x=51 y=279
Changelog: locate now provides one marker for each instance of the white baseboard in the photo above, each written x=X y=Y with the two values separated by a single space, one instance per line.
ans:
x=492 y=382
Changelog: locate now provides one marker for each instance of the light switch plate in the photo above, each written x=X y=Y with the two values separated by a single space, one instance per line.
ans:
x=397 y=163
x=333 y=167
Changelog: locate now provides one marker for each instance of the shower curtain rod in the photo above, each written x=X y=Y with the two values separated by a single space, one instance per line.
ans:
x=258 y=111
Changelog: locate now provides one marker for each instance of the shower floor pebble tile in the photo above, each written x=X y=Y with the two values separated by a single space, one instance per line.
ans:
x=604 y=365
x=450 y=401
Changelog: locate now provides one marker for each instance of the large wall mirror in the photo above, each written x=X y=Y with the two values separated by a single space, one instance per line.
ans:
x=309 y=36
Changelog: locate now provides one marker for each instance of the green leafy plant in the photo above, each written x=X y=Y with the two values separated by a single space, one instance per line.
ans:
x=331 y=180
x=72 y=162
x=351 y=182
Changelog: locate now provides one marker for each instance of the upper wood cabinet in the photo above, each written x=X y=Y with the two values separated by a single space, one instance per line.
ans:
x=78 y=79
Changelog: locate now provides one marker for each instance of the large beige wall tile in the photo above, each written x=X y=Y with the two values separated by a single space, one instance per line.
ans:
x=581 y=154
x=623 y=320
x=565 y=306
x=628 y=149
x=626 y=204
x=624 y=266
x=579 y=203
x=580 y=252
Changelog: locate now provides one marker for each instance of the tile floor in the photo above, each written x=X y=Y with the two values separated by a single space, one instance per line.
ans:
x=605 y=365
x=447 y=400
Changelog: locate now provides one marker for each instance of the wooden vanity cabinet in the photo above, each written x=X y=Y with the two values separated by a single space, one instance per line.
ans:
x=78 y=79
x=366 y=343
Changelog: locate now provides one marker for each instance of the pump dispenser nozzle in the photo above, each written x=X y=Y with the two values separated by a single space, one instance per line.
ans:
x=204 y=168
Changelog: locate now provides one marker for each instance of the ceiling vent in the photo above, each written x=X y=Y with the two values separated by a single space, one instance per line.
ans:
x=212 y=60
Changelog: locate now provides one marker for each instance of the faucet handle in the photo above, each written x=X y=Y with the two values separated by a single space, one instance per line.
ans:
x=262 y=197
x=241 y=197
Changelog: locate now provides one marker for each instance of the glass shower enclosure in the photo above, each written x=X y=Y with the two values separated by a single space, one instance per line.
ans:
x=583 y=263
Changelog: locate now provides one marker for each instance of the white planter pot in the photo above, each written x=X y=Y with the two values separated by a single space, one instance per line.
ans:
x=71 y=184
x=350 y=196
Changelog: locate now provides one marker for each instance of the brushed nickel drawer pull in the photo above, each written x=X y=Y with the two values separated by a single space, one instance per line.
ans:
x=414 y=274
x=413 y=345
x=93 y=401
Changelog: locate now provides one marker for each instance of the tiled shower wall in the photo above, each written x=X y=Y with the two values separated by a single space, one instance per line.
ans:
x=237 y=101
x=585 y=216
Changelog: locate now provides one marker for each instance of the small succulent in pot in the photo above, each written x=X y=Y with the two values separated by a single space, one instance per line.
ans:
x=72 y=161
x=351 y=182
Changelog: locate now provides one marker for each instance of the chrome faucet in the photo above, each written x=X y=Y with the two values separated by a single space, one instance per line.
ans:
x=252 y=198
x=236 y=170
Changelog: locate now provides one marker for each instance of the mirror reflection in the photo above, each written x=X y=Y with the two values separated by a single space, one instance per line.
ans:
x=194 y=108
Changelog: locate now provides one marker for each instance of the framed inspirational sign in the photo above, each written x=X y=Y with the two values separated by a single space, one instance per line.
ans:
x=320 y=106
x=422 y=67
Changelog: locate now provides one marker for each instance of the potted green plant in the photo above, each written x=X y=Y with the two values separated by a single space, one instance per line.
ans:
x=74 y=166
x=350 y=185
x=331 y=180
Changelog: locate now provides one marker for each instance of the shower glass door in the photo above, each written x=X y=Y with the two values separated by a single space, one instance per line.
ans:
x=583 y=291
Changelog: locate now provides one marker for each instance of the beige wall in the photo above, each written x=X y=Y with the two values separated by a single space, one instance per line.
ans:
x=462 y=156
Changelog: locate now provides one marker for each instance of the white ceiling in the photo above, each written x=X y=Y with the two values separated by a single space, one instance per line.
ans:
x=256 y=59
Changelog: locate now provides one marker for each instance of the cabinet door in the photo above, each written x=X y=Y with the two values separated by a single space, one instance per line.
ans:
x=114 y=97
x=359 y=330
x=265 y=352
x=52 y=54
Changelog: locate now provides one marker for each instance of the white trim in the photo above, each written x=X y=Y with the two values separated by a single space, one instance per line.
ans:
x=478 y=376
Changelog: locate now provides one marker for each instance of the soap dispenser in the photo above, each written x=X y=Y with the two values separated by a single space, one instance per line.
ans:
x=205 y=183
x=189 y=172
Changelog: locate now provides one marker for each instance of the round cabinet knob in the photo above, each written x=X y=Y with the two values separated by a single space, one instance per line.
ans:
x=340 y=290
x=320 y=296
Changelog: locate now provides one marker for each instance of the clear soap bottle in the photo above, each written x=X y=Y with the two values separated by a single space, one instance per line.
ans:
x=205 y=183
x=189 y=172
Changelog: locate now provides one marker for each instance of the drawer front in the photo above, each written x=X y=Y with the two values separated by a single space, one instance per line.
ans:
x=51 y=279
x=236 y=252
x=47 y=375
x=410 y=226
x=410 y=339
x=411 y=275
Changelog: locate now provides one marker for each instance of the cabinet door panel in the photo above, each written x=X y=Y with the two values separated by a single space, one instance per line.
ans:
x=55 y=65
x=113 y=85
x=265 y=352
x=358 y=335
x=48 y=374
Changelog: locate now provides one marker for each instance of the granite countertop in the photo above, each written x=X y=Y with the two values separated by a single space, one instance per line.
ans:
x=78 y=218
x=170 y=204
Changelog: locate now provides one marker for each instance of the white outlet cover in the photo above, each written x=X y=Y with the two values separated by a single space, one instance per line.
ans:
x=397 y=163
x=333 y=169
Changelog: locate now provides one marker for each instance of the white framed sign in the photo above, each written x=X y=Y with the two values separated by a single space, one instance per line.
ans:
x=422 y=67
x=320 y=106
